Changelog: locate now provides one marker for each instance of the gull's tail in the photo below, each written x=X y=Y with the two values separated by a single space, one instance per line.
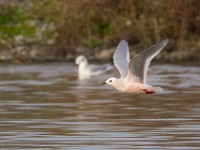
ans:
x=158 y=89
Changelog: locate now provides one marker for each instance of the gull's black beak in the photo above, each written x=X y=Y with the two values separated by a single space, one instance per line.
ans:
x=104 y=82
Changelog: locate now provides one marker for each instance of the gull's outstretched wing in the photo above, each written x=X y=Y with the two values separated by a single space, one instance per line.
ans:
x=122 y=58
x=139 y=64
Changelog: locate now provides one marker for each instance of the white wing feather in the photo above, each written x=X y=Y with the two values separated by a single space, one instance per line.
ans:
x=122 y=58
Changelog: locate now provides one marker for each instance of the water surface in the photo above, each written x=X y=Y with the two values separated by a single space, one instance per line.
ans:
x=46 y=106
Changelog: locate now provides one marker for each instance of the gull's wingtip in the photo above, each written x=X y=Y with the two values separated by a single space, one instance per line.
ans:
x=165 y=41
x=123 y=41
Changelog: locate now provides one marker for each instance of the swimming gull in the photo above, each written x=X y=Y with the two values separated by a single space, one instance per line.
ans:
x=86 y=70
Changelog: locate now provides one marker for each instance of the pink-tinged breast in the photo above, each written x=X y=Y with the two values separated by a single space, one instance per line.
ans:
x=133 y=88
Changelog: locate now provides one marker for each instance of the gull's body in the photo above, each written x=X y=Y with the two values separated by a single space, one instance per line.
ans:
x=85 y=70
x=134 y=72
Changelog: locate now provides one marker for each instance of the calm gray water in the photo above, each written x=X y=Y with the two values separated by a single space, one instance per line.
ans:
x=46 y=107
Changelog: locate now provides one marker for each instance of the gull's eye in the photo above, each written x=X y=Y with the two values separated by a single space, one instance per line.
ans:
x=110 y=81
x=82 y=59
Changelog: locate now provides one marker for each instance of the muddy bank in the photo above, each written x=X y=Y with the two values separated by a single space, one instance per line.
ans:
x=37 y=54
x=61 y=30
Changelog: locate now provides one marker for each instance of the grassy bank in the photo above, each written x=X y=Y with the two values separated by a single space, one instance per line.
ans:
x=66 y=28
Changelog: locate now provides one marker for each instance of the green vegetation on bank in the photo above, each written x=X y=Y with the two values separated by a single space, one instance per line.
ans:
x=66 y=28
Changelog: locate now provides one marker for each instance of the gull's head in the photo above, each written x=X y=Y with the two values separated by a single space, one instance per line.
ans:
x=111 y=81
x=81 y=60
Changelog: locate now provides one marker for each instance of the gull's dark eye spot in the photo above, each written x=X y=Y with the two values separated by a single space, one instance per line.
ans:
x=83 y=59
x=110 y=81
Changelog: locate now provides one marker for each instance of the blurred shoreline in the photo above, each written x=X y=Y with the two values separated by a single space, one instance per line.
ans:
x=50 y=30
